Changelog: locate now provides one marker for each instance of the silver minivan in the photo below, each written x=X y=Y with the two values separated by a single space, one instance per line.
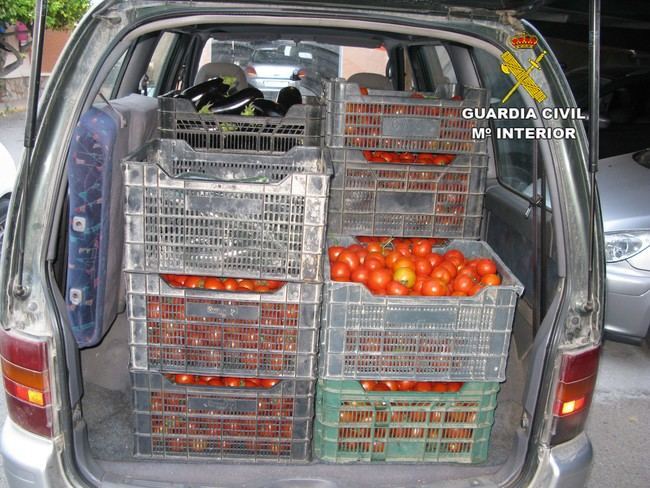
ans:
x=86 y=296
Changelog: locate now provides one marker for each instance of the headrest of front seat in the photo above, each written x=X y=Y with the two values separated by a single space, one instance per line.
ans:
x=371 y=80
x=212 y=70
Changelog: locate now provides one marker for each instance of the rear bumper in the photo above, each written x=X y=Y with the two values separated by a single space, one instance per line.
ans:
x=29 y=460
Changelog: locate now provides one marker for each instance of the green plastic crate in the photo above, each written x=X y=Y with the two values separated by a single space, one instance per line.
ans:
x=355 y=425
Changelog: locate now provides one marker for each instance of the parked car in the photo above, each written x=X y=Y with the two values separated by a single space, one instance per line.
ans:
x=8 y=172
x=105 y=296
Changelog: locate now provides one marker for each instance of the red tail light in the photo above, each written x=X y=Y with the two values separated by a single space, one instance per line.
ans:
x=573 y=394
x=26 y=380
x=301 y=74
x=250 y=71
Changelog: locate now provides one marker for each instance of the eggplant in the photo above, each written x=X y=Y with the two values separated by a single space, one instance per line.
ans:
x=236 y=103
x=194 y=93
x=268 y=108
x=210 y=98
x=288 y=96
x=171 y=94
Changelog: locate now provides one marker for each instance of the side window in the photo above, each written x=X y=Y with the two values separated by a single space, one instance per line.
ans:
x=108 y=87
x=157 y=64
x=432 y=66
x=514 y=157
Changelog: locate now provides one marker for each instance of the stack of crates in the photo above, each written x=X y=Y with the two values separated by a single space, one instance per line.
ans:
x=461 y=343
x=215 y=373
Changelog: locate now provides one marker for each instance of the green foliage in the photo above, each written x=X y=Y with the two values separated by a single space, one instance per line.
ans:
x=61 y=14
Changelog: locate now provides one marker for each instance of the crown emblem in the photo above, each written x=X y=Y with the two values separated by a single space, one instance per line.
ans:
x=523 y=41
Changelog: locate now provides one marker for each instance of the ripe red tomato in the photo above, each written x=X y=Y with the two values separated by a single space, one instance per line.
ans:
x=215 y=381
x=422 y=249
x=194 y=282
x=454 y=253
x=475 y=289
x=350 y=258
x=213 y=284
x=246 y=285
x=434 y=288
x=184 y=379
x=441 y=273
x=454 y=386
x=423 y=267
x=233 y=382
x=360 y=275
x=470 y=272
x=406 y=385
x=404 y=262
x=491 y=280
x=230 y=284
x=391 y=258
x=354 y=247
x=423 y=386
x=439 y=387
x=381 y=386
x=269 y=383
x=463 y=283
x=368 y=385
x=395 y=288
x=340 y=272
x=485 y=266
x=453 y=269
x=334 y=252
x=419 y=281
x=375 y=247
x=405 y=277
x=379 y=279
x=391 y=384
x=435 y=259
x=374 y=261
x=458 y=294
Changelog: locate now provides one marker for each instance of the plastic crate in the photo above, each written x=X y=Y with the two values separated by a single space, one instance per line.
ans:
x=397 y=121
x=235 y=215
x=301 y=126
x=406 y=200
x=223 y=333
x=355 y=425
x=424 y=338
x=198 y=422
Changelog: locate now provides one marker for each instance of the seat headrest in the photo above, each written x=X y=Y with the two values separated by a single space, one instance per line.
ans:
x=212 y=70
x=371 y=80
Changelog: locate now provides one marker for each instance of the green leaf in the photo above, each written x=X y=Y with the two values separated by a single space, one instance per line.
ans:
x=249 y=110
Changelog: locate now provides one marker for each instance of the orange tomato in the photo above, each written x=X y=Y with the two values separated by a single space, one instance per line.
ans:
x=194 y=282
x=453 y=269
x=441 y=273
x=404 y=276
x=213 y=284
x=491 y=280
x=360 y=275
x=395 y=288
x=246 y=285
x=391 y=258
x=230 y=284
x=350 y=258
x=486 y=266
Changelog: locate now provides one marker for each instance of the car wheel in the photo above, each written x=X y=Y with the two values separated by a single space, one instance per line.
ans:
x=4 y=209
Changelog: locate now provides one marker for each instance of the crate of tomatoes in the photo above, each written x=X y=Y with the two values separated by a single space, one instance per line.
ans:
x=403 y=421
x=373 y=193
x=226 y=214
x=407 y=309
x=402 y=121
x=198 y=417
x=209 y=325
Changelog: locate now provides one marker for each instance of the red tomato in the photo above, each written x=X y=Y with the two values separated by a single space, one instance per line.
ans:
x=375 y=247
x=233 y=382
x=194 y=282
x=490 y=280
x=334 y=252
x=475 y=289
x=246 y=285
x=404 y=262
x=354 y=247
x=485 y=266
x=454 y=253
x=439 y=160
x=423 y=267
x=368 y=385
x=395 y=288
x=379 y=279
x=458 y=294
x=453 y=269
x=425 y=158
x=422 y=386
x=435 y=259
x=381 y=386
x=439 y=387
x=374 y=261
x=350 y=258
x=340 y=272
x=422 y=249
x=406 y=385
x=419 y=281
x=391 y=258
x=214 y=381
x=184 y=379
x=403 y=247
x=391 y=384
x=463 y=283
x=230 y=284
x=360 y=275
x=213 y=284
x=441 y=273
x=454 y=386
x=434 y=288
x=269 y=383
x=470 y=272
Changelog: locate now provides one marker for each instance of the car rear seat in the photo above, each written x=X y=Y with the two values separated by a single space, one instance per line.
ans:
x=104 y=135
x=373 y=81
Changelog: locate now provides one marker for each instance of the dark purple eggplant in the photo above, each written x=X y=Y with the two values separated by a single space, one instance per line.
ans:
x=194 y=93
x=235 y=104
x=210 y=98
x=171 y=94
x=268 y=108
x=288 y=96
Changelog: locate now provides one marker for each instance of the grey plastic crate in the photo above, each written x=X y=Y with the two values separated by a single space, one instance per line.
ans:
x=365 y=336
x=396 y=121
x=235 y=215
x=199 y=422
x=223 y=333
x=406 y=199
x=178 y=119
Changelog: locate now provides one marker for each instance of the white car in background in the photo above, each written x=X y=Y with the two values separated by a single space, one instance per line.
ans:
x=7 y=180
